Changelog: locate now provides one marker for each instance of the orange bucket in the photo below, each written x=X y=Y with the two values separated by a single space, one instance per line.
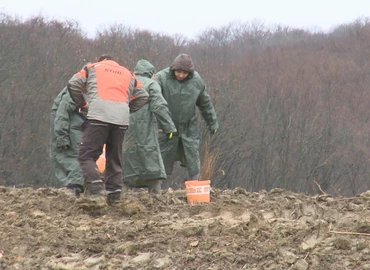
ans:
x=198 y=191
x=100 y=163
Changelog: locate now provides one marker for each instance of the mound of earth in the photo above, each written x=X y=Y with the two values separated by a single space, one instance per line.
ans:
x=49 y=229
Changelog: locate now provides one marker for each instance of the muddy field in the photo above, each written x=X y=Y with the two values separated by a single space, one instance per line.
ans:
x=48 y=229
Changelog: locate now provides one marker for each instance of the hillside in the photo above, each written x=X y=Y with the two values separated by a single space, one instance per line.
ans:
x=48 y=229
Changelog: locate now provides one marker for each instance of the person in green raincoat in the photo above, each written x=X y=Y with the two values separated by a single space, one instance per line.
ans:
x=142 y=163
x=65 y=131
x=184 y=90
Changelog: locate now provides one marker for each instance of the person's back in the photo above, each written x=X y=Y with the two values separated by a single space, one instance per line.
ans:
x=65 y=133
x=54 y=109
x=110 y=88
x=141 y=160
x=52 y=144
x=113 y=93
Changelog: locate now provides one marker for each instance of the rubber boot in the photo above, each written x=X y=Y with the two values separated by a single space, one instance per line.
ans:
x=154 y=187
x=114 y=197
x=75 y=190
x=125 y=187
x=94 y=189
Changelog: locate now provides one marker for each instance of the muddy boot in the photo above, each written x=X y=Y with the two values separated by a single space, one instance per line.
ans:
x=125 y=187
x=154 y=187
x=94 y=189
x=113 y=197
x=75 y=190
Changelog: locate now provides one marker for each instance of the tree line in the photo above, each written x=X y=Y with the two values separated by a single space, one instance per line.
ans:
x=292 y=104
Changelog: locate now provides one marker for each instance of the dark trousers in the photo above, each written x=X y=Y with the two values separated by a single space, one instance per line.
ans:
x=94 y=135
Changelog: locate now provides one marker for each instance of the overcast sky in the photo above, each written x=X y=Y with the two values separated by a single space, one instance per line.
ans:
x=191 y=17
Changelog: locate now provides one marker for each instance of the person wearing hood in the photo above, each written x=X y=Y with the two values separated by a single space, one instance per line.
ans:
x=65 y=133
x=184 y=90
x=142 y=164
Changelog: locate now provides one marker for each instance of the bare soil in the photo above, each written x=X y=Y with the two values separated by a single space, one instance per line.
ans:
x=49 y=229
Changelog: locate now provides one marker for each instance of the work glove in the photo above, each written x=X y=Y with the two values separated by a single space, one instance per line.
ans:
x=170 y=136
x=213 y=131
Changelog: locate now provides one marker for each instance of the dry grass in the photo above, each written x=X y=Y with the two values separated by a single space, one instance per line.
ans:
x=209 y=159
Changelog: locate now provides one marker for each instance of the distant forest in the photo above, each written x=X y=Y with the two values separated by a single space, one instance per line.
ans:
x=293 y=105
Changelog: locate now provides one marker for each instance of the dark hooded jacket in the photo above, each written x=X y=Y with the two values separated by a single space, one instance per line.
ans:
x=182 y=98
x=141 y=158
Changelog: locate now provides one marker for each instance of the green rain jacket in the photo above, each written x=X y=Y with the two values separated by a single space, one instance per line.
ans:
x=141 y=158
x=65 y=130
x=182 y=98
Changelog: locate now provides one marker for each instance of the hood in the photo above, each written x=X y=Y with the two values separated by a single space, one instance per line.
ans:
x=145 y=68
x=183 y=62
